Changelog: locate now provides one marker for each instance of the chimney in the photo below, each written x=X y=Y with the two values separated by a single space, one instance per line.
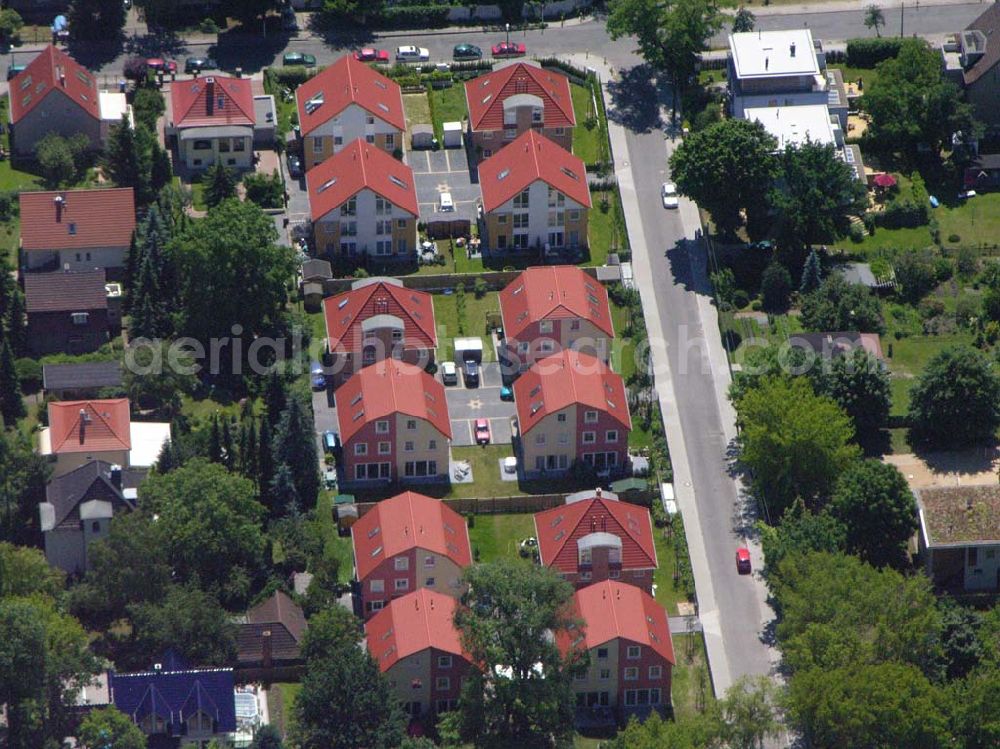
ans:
x=597 y=492
x=116 y=477
x=210 y=94
x=62 y=75
x=767 y=61
x=792 y=49
x=265 y=648
x=60 y=202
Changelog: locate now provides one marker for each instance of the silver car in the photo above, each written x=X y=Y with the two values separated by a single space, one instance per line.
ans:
x=409 y=53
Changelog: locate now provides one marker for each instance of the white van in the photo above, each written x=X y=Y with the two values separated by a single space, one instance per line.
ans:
x=447 y=204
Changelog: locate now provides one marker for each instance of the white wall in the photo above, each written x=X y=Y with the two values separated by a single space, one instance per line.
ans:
x=350 y=124
x=366 y=219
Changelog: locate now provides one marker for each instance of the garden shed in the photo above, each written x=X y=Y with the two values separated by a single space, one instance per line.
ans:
x=422 y=136
x=452 y=134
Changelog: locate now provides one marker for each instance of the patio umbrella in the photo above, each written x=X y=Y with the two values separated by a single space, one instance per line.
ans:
x=884 y=180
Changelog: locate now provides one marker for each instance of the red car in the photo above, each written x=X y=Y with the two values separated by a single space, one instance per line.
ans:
x=482 y=431
x=370 y=54
x=159 y=64
x=743 y=561
x=509 y=49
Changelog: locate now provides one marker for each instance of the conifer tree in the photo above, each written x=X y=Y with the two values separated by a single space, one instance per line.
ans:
x=812 y=274
x=11 y=402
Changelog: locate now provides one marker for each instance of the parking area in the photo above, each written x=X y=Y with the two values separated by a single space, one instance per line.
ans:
x=466 y=404
x=445 y=170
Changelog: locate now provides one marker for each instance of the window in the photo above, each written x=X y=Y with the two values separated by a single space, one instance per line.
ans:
x=429 y=560
x=375 y=605
x=634 y=651
x=383 y=247
x=444 y=661
x=442 y=683
x=432 y=445
x=589 y=438
x=631 y=673
x=539 y=439
x=536 y=115
x=656 y=672
x=390 y=141
x=590 y=417
x=199 y=723
x=611 y=435
x=369 y=119
x=338 y=140
x=509 y=133
x=586 y=575
x=402 y=583
x=408 y=446
x=580 y=676
x=520 y=242
x=381 y=427
x=654 y=696
x=520 y=220
x=559 y=131
x=318 y=144
x=349 y=208
x=401 y=563
x=153 y=724
x=411 y=423
x=487 y=135
x=502 y=218
x=370 y=139
x=574 y=215
x=95 y=527
x=521 y=200
x=224 y=146
x=382 y=205
x=80 y=318
x=377 y=586
x=522 y=347
x=972 y=557
x=605 y=674
x=545 y=326
x=384 y=448
x=429 y=582
x=556 y=198
x=361 y=448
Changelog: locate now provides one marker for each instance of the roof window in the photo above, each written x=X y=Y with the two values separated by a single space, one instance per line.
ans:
x=327 y=185
x=314 y=103
x=343 y=303
x=397 y=181
x=376 y=551
x=381 y=85
x=570 y=173
x=504 y=173
x=383 y=107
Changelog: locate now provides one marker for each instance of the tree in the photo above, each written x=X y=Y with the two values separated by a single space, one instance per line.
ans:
x=795 y=442
x=698 y=731
x=812 y=274
x=275 y=396
x=799 y=532
x=17 y=331
x=915 y=273
x=55 y=159
x=22 y=665
x=267 y=737
x=513 y=614
x=330 y=716
x=883 y=705
x=956 y=399
x=25 y=474
x=874 y=19
x=976 y=703
x=839 y=306
x=127 y=159
x=330 y=631
x=775 y=287
x=962 y=650
x=860 y=385
x=267 y=191
x=816 y=195
x=148 y=105
x=749 y=712
x=283 y=496
x=25 y=572
x=743 y=21
x=11 y=398
x=149 y=318
x=109 y=728
x=295 y=447
x=161 y=171
x=739 y=149
x=95 y=20
x=876 y=506
x=220 y=184
x=10 y=24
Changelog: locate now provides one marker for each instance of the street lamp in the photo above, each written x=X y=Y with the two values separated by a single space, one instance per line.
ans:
x=508 y=36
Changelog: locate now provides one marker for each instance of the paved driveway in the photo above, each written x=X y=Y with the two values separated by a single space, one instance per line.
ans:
x=465 y=405
x=446 y=170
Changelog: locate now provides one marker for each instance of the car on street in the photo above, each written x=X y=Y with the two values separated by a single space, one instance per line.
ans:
x=743 y=561
x=668 y=193
x=316 y=376
x=446 y=202
x=370 y=54
x=466 y=52
x=330 y=478
x=198 y=64
x=331 y=441
x=506 y=393
x=509 y=49
x=299 y=58
x=471 y=371
x=294 y=166
x=409 y=53
x=482 y=431
x=159 y=65
x=449 y=373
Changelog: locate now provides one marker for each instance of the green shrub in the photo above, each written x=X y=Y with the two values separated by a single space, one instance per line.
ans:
x=416 y=16
x=857 y=233
x=266 y=190
x=954 y=238
x=740 y=299
x=29 y=372
x=208 y=26
x=479 y=287
x=867 y=53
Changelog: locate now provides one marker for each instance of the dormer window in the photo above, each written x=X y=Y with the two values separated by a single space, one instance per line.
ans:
x=153 y=724
x=72 y=228
x=200 y=722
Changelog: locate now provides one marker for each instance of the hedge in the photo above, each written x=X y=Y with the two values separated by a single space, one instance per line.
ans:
x=416 y=16
x=867 y=53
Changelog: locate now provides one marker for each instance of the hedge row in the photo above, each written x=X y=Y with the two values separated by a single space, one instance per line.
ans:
x=415 y=16
x=867 y=53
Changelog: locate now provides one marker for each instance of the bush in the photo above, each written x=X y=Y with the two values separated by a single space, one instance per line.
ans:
x=857 y=233
x=416 y=16
x=292 y=76
x=208 y=26
x=267 y=191
x=479 y=288
x=954 y=238
x=9 y=205
x=867 y=53
x=29 y=372
x=905 y=213
x=775 y=287
x=147 y=106
x=740 y=299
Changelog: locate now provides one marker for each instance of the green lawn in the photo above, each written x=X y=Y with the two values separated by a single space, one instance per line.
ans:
x=10 y=235
x=851 y=75
x=498 y=536
x=692 y=682
x=667 y=594
x=417 y=108
x=335 y=546
x=447 y=105
x=605 y=227
x=473 y=322
x=280 y=699
x=585 y=141
x=486 y=481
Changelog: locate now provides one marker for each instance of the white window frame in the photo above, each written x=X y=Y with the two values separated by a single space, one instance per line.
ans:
x=376 y=586
x=655 y=672
x=631 y=673
x=401 y=583
x=444 y=661
x=633 y=652
x=361 y=448
x=385 y=448
x=590 y=417
x=382 y=426
x=401 y=564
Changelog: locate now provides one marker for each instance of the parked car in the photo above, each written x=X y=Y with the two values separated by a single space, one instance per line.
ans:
x=330 y=478
x=159 y=65
x=299 y=58
x=509 y=49
x=409 y=53
x=370 y=54
x=198 y=64
x=331 y=441
x=506 y=393
x=446 y=202
x=471 y=371
x=466 y=52
x=13 y=70
x=316 y=376
x=449 y=373
x=482 y=431
x=669 y=195
x=743 y=561
x=294 y=166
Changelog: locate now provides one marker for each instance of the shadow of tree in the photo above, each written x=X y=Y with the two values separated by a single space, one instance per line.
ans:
x=635 y=100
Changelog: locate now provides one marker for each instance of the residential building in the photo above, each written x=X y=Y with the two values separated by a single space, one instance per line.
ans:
x=348 y=101
x=594 y=537
x=86 y=430
x=77 y=229
x=794 y=126
x=627 y=637
x=535 y=197
x=67 y=313
x=378 y=319
x=972 y=63
x=178 y=708
x=54 y=94
x=506 y=103
x=419 y=650
x=78 y=509
x=572 y=408
x=550 y=309
x=959 y=538
x=268 y=642
x=82 y=380
x=364 y=202
x=213 y=119
x=394 y=425
x=407 y=543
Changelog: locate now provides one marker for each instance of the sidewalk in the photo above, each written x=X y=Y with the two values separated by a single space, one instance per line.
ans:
x=848 y=6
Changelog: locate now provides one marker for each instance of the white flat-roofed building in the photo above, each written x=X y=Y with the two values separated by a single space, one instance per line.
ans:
x=793 y=126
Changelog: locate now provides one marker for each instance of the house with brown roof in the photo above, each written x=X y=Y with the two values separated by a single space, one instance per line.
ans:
x=535 y=197
x=213 y=120
x=394 y=425
x=268 y=642
x=348 y=101
x=959 y=537
x=595 y=537
x=405 y=543
x=67 y=313
x=552 y=308
x=364 y=202
x=516 y=99
x=77 y=229
x=417 y=647
x=626 y=635
x=976 y=61
x=571 y=407
x=378 y=319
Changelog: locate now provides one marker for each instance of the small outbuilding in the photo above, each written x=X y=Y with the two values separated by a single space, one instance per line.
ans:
x=469 y=349
x=452 y=132
x=422 y=137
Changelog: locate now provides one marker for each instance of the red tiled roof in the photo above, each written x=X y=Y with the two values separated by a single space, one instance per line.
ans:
x=84 y=219
x=345 y=312
x=528 y=158
x=89 y=426
x=486 y=94
x=53 y=70
x=389 y=387
x=406 y=521
x=567 y=378
x=411 y=624
x=558 y=530
x=554 y=292
x=346 y=82
x=212 y=100
x=65 y=292
x=611 y=610
x=357 y=166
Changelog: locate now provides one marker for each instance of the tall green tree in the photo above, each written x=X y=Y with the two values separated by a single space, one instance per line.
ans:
x=295 y=447
x=812 y=273
x=220 y=184
x=860 y=385
x=25 y=474
x=961 y=646
x=749 y=713
x=775 y=287
x=17 y=331
x=24 y=571
x=795 y=442
x=55 y=159
x=956 y=399
x=976 y=703
x=800 y=532
x=124 y=160
x=150 y=318
x=874 y=19
x=743 y=21
x=109 y=728
x=10 y=24
x=95 y=20
x=742 y=151
x=11 y=398
x=330 y=631
x=838 y=306
x=22 y=666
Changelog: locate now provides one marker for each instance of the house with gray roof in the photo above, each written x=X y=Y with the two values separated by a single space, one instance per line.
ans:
x=960 y=536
